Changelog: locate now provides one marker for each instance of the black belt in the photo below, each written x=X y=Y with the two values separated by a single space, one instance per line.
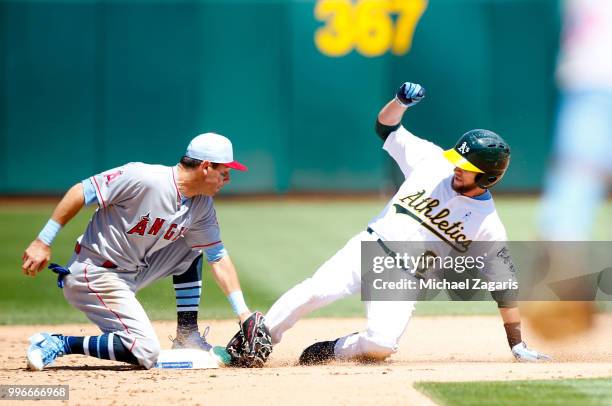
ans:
x=380 y=242
x=389 y=251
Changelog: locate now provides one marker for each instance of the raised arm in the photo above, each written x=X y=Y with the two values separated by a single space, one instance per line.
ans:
x=391 y=114
x=38 y=253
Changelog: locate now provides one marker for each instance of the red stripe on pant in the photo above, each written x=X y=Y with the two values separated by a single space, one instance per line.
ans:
x=109 y=309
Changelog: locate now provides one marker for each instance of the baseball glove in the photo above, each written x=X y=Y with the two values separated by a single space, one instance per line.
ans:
x=251 y=345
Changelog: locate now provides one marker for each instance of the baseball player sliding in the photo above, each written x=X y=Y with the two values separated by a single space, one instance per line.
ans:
x=152 y=221
x=444 y=197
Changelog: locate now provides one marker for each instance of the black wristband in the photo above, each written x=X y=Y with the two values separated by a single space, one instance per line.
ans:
x=513 y=333
x=383 y=131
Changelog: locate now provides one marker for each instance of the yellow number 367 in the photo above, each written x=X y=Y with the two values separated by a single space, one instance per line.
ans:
x=367 y=25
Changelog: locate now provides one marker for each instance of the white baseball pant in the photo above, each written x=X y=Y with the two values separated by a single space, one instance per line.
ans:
x=339 y=277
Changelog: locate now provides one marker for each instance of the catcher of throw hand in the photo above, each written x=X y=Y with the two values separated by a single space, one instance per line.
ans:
x=251 y=345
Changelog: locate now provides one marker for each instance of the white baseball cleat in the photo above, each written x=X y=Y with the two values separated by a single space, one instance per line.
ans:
x=44 y=349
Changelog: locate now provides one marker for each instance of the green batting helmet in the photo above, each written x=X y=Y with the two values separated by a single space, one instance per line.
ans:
x=481 y=151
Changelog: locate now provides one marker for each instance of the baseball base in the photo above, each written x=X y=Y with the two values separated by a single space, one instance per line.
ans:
x=193 y=359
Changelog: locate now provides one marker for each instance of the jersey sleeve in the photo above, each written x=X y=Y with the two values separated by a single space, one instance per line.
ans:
x=492 y=243
x=409 y=150
x=115 y=185
x=89 y=192
x=499 y=266
x=204 y=234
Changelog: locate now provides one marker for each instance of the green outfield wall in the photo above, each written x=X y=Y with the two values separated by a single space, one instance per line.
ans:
x=89 y=85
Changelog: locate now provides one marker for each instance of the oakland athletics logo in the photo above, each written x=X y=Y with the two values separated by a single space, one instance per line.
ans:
x=464 y=149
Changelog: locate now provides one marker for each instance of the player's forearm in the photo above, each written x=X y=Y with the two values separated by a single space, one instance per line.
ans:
x=38 y=253
x=225 y=275
x=72 y=202
x=65 y=210
x=392 y=113
x=510 y=315
x=512 y=325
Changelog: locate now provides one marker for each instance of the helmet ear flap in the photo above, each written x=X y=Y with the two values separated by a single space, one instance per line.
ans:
x=486 y=181
x=491 y=180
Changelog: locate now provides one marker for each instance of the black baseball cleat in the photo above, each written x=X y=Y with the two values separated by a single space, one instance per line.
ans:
x=318 y=353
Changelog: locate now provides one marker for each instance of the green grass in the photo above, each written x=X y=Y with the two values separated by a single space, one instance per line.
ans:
x=273 y=244
x=584 y=392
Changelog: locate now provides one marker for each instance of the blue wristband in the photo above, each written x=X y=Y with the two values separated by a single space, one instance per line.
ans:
x=49 y=231
x=237 y=301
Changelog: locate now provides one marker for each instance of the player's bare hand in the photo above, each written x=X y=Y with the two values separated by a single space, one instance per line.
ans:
x=35 y=257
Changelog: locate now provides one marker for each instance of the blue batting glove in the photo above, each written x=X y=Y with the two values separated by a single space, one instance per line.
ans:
x=410 y=94
x=523 y=353
x=61 y=273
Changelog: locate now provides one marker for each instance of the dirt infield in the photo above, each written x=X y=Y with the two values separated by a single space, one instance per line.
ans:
x=433 y=349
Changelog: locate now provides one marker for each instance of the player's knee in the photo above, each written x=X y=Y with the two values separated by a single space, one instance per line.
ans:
x=303 y=292
x=377 y=348
x=313 y=291
x=75 y=296
x=146 y=350
x=276 y=335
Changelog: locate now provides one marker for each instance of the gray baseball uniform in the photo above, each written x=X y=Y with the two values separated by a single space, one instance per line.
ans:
x=142 y=231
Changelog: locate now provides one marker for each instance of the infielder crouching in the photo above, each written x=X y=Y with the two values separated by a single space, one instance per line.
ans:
x=455 y=183
x=152 y=221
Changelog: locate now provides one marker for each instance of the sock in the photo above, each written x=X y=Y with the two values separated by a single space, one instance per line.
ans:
x=106 y=346
x=188 y=289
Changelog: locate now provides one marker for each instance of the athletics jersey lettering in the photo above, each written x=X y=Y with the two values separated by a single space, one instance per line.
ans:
x=420 y=208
